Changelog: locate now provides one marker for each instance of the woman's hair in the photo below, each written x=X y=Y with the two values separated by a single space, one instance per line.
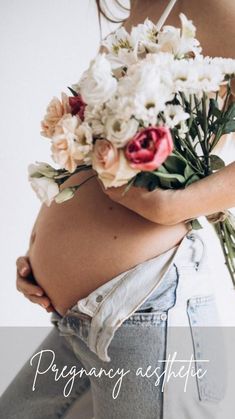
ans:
x=104 y=10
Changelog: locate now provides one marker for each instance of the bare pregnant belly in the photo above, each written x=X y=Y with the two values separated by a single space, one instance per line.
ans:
x=81 y=244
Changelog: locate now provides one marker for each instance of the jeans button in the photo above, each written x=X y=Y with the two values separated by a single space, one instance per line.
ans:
x=163 y=316
x=99 y=298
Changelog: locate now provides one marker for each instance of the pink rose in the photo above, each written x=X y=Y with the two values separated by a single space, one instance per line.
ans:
x=105 y=157
x=77 y=106
x=149 y=148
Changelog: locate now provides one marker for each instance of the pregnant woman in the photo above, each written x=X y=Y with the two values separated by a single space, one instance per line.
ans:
x=117 y=271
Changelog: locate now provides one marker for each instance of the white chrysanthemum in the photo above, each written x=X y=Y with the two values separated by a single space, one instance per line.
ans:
x=144 y=84
x=195 y=77
x=97 y=83
x=174 y=114
x=226 y=65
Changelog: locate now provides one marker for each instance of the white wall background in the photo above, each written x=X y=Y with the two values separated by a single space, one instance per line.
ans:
x=44 y=46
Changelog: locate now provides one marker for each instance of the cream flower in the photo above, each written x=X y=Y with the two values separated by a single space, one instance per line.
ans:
x=226 y=65
x=45 y=188
x=179 y=42
x=41 y=169
x=97 y=84
x=122 y=48
x=174 y=114
x=145 y=34
x=71 y=143
x=55 y=110
x=119 y=131
x=111 y=164
x=95 y=116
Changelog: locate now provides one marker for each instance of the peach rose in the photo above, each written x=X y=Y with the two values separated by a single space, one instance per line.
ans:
x=55 y=111
x=111 y=164
x=71 y=143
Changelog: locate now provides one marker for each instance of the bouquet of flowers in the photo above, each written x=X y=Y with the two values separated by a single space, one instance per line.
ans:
x=147 y=112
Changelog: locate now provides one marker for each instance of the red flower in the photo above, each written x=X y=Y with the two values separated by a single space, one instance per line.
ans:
x=77 y=106
x=149 y=148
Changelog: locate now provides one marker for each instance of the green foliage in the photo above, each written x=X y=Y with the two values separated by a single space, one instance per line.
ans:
x=216 y=162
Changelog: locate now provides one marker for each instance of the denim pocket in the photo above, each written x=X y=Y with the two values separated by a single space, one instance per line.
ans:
x=209 y=348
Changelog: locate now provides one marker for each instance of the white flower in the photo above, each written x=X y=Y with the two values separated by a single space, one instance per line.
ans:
x=148 y=89
x=178 y=41
x=195 y=76
x=122 y=48
x=41 y=169
x=45 y=188
x=174 y=114
x=119 y=131
x=120 y=105
x=94 y=117
x=84 y=141
x=226 y=65
x=145 y=35
x=182 y=131
x=97 y=84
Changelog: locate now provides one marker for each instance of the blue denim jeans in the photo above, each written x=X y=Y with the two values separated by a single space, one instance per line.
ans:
x=134 y=383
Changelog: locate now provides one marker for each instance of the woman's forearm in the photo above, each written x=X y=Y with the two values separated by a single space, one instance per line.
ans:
x=210 y=195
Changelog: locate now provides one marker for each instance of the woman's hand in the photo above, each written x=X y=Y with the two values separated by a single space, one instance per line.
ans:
x=25 y=283
x=159 y=206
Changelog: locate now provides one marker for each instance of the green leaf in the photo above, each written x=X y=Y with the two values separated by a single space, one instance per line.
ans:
x=229 y=127
x=172 y=176
x=129 y=184
x=74 y=93
x=193 y=130
x=214 y=109
x=230 y=113
x=146 y=180
x=216 y=162
x=175 y=164
x=192 y=179
x=196 y=225
x=188 y=172
x=36 y=175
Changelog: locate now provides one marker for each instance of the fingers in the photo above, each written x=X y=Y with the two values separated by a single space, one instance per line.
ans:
x=25 y=284
x=23 y=266
x=26 y=287
x=43 y=301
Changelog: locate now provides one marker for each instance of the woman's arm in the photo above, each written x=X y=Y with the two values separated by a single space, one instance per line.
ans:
x=212 y=194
